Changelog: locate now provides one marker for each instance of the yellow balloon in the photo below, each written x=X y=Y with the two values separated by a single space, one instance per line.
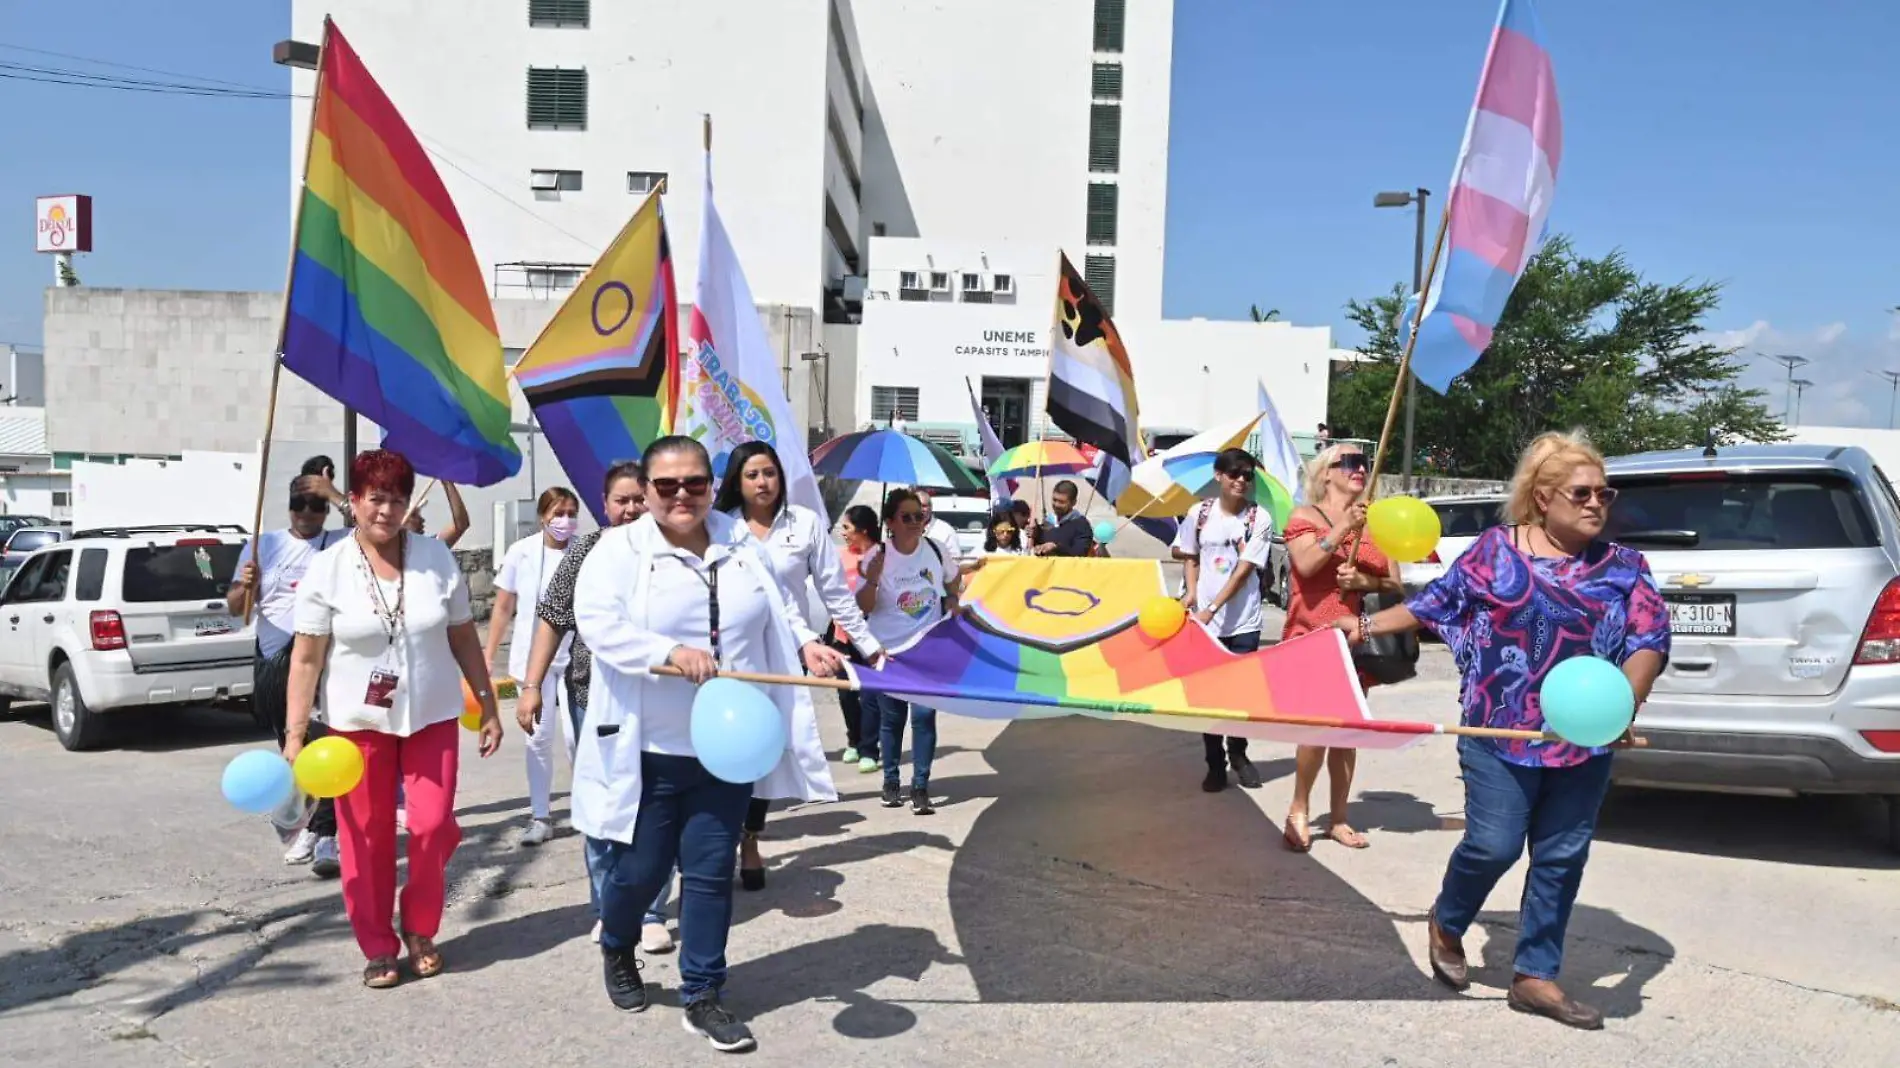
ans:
x=329 y=767
x=471 y=719
x=471 y=708
x=1161 y=618
x=1404 y=528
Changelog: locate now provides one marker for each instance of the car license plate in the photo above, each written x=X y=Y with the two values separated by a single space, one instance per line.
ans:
x=1710 y=615
x=212 y=626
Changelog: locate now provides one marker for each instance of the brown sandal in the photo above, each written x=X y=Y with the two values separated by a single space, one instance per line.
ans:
x=424 y=959
x=1353 y=839
x=1301 y=842
x=381 y=974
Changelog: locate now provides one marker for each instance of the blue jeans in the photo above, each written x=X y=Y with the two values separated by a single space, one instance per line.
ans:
x=1555 y=810
x=690 y=818
x=594 y=850
x=892 y=712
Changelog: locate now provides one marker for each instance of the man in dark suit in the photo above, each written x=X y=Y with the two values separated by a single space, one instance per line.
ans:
x=1070 y=534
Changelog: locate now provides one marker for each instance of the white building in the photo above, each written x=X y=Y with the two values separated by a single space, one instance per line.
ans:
x=833 y=121
x=29 y=482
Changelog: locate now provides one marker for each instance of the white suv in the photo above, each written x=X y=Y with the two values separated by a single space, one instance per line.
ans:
x=123 y=618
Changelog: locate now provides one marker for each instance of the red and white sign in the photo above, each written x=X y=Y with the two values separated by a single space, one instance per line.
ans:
x=64 y=223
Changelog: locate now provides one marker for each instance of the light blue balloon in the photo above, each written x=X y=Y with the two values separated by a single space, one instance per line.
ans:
x=738 y=732
x=1587 y=701
x=1104 y=532
x=257 y=781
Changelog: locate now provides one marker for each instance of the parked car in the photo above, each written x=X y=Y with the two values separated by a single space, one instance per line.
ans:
x=968 y=516
x=11 y=523
x=20 y=542
x=1781 y=568
x=1460 y=521
x=120 y=619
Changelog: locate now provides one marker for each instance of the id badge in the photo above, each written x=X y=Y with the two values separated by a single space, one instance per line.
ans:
x=382 y=688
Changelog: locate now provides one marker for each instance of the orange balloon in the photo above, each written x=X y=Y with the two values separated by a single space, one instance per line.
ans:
x=471 y=708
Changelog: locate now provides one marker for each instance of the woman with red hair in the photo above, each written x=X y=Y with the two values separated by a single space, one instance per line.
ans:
x=383 y=622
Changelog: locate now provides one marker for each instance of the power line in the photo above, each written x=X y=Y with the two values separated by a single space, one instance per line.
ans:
x=49 y=76
x=131 y=66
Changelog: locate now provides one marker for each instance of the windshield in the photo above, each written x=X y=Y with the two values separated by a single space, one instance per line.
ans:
x=179 y=572
x=1466 y=519
x=963 y=520
x=25 y=541
x=1723 y=511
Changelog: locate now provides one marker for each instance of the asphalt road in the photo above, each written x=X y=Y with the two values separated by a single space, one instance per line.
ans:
x=1076 y=900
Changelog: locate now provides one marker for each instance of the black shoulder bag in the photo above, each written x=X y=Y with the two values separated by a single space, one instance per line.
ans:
x=1386 y=658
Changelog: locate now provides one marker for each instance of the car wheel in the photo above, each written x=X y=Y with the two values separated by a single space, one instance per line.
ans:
x=77 y=726
x=6 y=708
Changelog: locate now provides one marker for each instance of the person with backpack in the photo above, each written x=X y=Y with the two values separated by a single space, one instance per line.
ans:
x=909 y=584
x=1225 y=546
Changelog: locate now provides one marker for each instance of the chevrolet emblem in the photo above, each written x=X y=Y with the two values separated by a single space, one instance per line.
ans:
x=1691 y=581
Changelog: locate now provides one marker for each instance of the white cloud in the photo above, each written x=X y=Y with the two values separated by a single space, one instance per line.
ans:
x=1847 y=389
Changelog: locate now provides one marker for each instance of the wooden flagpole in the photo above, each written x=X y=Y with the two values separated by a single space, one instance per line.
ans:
x=1458 y=730
x=423 y=497
x=283 y=328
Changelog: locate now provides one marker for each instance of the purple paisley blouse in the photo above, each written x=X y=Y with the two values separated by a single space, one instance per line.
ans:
x=1510 y=617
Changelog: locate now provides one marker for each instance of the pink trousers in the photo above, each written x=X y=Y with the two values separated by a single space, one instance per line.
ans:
x=425 y=763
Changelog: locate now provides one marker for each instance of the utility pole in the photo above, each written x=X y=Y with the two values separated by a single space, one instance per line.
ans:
x=1417 y=197
x=1893 y=378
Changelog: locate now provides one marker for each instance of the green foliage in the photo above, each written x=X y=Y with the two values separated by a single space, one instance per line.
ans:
x=1258 y=316
x=1583 y=344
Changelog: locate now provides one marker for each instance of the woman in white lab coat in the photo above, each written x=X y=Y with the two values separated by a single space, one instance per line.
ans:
x=798 y=545
x=687 y=588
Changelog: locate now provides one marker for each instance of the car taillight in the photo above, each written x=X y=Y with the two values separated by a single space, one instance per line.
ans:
x=1433 y=558
x=108 y=631
x=1880 y=642
x=1885 y=741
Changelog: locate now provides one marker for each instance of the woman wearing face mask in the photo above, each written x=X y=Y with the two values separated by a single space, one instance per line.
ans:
x=1523 y=599
x=1327 y=586
x=799 y=548
x=522 y=578
x=690 y=590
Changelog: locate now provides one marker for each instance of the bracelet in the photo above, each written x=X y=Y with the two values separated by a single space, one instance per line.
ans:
x=527 y=685
x=1365 y=626
x=480 y=694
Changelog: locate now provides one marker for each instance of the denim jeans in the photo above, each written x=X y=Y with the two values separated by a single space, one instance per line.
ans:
x=1555 y=810
x=1236 y=747
x=892 y=712
x=691 y=818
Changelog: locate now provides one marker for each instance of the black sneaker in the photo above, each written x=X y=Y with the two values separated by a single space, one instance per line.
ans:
x=920 y=801
x=1216 y=780
x=1244 y=773
x=709 y=1019
x=893 y=797
x=625 y=988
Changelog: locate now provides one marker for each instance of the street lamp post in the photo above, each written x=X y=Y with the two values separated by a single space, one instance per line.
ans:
x=1893 y=396
x=1800 y=387
x=1417 y=197
x=304 y=56
x=824 y=390
x=1791 y=361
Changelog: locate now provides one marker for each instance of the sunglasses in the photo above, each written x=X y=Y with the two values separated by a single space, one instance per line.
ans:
x=1352 y=462
x=309 y=504
x=912 y=518
x=691 y=486
x=1581 y=495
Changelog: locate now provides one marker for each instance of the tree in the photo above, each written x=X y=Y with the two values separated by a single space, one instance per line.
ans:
x=1583 y=343
x=1254 y=312
x=66 y=275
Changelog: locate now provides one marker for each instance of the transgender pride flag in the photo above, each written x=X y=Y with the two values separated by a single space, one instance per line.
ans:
x=1501 y=191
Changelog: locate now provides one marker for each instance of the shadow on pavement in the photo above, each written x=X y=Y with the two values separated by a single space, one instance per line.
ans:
x=162 y=729
x=804 y=883
x=1608 y=961
x=839 y=970
x=1819 y=830
x=1398 y=812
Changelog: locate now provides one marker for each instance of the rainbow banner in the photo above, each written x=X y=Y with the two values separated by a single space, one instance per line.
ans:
x=604 y=376
x=387 y=310
x=1044 y=637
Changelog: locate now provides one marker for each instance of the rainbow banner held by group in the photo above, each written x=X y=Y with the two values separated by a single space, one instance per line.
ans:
x=603 y=377
x=1055 y=636
x=387 y=311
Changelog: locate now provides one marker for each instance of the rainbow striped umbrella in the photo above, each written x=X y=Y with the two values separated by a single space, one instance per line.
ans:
x=1032 y=458
x=888 y=456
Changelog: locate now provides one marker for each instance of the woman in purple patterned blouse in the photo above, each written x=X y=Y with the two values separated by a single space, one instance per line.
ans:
x=1521 y=600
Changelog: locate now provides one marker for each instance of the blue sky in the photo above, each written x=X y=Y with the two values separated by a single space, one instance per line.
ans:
x=1743 y=141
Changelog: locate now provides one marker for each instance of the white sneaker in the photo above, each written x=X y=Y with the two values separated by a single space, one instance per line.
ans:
x=302 y=848
x=536 y=833
x=326 y=862
x=654 y=938
x=402 y=821
x=596 y=935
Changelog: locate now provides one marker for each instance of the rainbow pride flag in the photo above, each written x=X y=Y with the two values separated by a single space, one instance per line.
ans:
x=1052 y=637
x=604 y=376
x=387 y=310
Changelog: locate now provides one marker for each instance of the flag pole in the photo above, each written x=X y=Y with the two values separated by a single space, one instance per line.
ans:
x=1375 y=725
x=283 y=328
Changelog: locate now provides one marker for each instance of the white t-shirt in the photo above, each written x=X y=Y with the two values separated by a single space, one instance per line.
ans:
x=910 y=592
x=677 y=610
x=526 y=570
x=1220 y=545
x=945 y=536
x=334 y=599
x=285 y=559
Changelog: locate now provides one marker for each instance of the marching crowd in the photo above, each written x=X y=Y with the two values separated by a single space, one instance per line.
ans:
x=366 y=631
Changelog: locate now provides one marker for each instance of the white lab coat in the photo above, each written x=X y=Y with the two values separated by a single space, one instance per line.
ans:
x=799 y=549
x=610 y=614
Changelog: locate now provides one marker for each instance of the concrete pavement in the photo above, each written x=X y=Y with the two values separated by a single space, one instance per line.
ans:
x=1076 y=900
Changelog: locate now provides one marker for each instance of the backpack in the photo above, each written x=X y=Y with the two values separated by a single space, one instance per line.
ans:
x=1263 y=576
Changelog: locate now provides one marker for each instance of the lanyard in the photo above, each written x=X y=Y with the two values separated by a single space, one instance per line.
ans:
x=711 y=581
x=390 y=616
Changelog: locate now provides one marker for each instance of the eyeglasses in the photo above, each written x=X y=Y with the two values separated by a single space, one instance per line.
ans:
x=691 y=486
x=302 y=503
x=912 y=518
x=1352 y=462
x=1237 y=476
x=1580 y=495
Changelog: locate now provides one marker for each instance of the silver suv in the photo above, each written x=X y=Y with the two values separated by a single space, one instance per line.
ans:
x=1781 y=566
